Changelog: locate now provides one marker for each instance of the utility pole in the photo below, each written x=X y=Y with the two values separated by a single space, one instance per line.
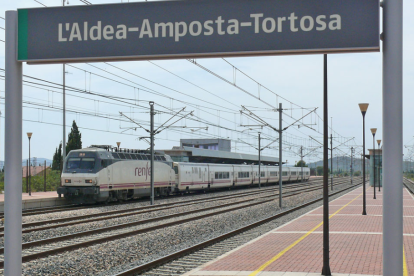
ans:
x=331 y=160
x=280 y=155
x=352 y=168
x=152 y=150
x=280 y=130
x=259 y=162
x=301 y=161
x=27 y=176
x=44 y=183
x=64 y=111
x=326 y=270
x=152 y=133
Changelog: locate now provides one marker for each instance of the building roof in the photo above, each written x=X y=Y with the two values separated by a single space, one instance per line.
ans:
x=216 y=156
x=34 y=170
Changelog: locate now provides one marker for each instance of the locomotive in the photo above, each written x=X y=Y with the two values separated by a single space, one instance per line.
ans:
x=103 y=174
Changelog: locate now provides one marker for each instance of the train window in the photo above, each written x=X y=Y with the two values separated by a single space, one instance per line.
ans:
x=121 y=155
x=163 y=158
x=145 y=157
x=284 y=173
x=103 y=163
x=73 y=163
x=293 y=173
x=262 y=174
x=138 y=156
x=127 y=156
x=134 y=156
x=176 y=169
x=115 y=155
x=87 y=163
x=157 y=158
x=244 y=174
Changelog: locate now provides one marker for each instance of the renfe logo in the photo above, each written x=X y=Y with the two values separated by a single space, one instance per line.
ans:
x=143 y=171
x=147 y=29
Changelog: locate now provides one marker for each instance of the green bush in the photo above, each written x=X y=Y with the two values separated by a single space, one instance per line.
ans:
x=37 y=181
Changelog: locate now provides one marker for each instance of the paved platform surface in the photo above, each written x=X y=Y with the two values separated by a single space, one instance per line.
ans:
x=295 y=249
x=36 y=195
x=37 y=200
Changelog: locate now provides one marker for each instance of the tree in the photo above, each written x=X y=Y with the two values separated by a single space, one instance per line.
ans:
x=319 y=170
x=57 y=158
x=301 y=163
x=74 y=139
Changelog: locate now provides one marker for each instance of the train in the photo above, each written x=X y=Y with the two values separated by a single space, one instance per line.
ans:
x=105 y=174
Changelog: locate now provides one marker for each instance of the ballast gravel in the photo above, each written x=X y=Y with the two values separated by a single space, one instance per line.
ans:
x=109 y=257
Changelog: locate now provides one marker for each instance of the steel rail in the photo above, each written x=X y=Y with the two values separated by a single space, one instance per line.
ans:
x=137 y=211
x=133 y=211
x=125 y=234
x=152 y=208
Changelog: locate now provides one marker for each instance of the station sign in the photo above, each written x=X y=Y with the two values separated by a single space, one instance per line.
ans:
x=196 y=28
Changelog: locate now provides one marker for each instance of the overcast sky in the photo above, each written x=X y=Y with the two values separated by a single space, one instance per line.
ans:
x=174 y=84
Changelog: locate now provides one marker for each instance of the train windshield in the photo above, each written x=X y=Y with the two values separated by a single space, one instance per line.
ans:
x=85 y=163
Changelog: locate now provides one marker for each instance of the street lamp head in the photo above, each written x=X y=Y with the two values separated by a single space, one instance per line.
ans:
x=373 y=131
x=379 y=142
x=29 y=135
x=118 y=144
x=363 y=107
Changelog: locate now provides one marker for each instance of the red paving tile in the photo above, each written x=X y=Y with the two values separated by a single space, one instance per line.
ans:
x=36 y=195
x=352 y=250
x=348 y=254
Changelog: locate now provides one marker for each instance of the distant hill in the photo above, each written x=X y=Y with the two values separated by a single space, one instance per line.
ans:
x=342 y=163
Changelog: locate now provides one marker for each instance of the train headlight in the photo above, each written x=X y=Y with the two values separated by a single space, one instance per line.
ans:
x=88 y=181
x=68 y=181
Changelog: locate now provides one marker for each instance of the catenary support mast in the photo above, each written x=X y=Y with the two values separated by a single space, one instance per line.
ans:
x=392 y=124
x=13 y=153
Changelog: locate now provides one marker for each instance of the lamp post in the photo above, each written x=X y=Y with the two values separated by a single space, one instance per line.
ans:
x=373 y=131
x=29 y=135
x=363 y=107
x=379 y=172
x=118 y=144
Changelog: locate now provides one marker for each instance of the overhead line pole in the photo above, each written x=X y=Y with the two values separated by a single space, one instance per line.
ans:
x=326 y=270
x=259 y=163
x=280 y=154
x=64 y=112
x=152 y=133
x=301 y=161
x=152 y=150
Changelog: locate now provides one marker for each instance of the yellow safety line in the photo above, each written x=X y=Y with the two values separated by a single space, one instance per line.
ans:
x=405 y=269
x=296 y=242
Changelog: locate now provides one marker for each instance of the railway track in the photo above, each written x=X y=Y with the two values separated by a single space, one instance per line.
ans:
x=72 y=207
x=409 y=184
x=55 y=245
x=208 y=249
x=133 y=211
x=55 y=223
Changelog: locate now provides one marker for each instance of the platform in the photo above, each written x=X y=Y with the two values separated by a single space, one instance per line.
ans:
x=37 y=200
x=295 y=249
